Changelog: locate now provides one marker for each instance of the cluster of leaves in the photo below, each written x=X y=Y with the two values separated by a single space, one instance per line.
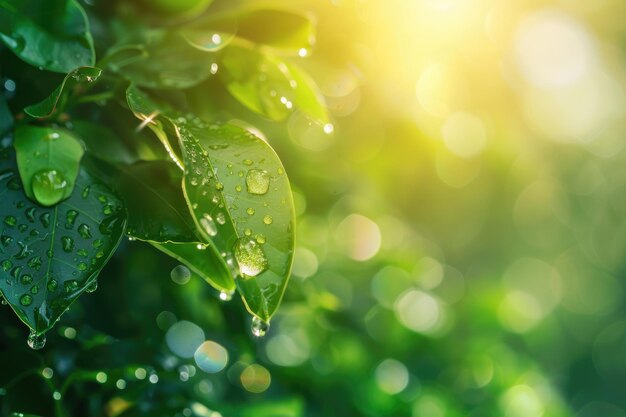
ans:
x=78 y=172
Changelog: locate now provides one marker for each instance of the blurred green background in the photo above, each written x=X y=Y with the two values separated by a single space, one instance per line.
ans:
x=461 y=238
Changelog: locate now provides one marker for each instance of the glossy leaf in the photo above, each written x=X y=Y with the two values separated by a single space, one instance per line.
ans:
x=50 y=34
x=242 y=204
x=202 y=260
x=50 y=256
x=270 y=87
x=56 y=101
x=48 y=161
x=157 y=211
x=168 y=62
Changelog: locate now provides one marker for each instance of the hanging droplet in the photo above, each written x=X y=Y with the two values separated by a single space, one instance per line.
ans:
x=92 y=287
x=226 y=296
x=259 y=327
x=250 y=257
x=257 y=181
x=36 y=341
x=48 y=187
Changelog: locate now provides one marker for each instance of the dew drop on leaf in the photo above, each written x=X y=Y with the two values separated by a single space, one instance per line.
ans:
x=267 y=219
x=26 y=300
x=259 y=327
x=84 y=231
x=92 y=287
x=257 y=181
x=226 y=296
x=208 y=224
x=36 y=341
x=250 y=257
x=48 y=187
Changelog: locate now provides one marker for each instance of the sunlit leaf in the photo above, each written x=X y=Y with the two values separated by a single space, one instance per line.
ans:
x=50 y=256
x=241 y=202
x=56 y=101
x=168 y=61
x=269 y=86
x=53 y=35
x=48 y=161
x=287 y=31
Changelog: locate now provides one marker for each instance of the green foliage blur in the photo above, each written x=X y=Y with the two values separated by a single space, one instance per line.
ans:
x=460 y=234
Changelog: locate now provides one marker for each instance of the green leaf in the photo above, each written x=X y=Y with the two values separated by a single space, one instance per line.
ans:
x=50 y=34
x=287 y=31
x=6 y=118
x=269 y=86
x=102 y=143
x=204 y=261
x=242 y=204
x=168 y=62
x=48 y=160
x=240 y=200
x=55 y=103
x=157 y=211
x=22 y=415
x=50 y=256
x=148 y=112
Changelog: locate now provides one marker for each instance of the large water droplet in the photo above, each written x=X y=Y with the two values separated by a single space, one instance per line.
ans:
x=267 y=219
x=92 y=287
x=257 y=181
x=259 y=327
x=250 y=257
x=226 y=296
x=36 y=341
x=48 y=187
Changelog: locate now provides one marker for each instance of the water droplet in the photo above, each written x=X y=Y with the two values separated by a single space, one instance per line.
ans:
x=97 y=243
x=250 y=257
x=221 y=219
x=247 y=162
x=7 y=265
x=219 y=186
x=267 y=219
x=70 y=285
x=180 y=274
x=84 y=231
x=36 y=341
x=10 y=221
x=107 y=209
x=68 y=243
x=260 y=239
x=30 y=214
x=52 y=285
x=92 y=287
x=85 y=192
x=247 y=232
x=48 y=186
x=45 y=219
x=26 y=279
x=26 y=300
x=70 y=216
x=208 y=224
x=238 y=188
x=257 y=181
x=82 y=266
x=259 y=327
x=329 y=128
x=250 y=211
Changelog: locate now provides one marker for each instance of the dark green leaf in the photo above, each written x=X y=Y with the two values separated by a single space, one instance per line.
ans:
x=6 y=118
x=168 y=62
x=241 y=202
x=269 y=86
x=102 y=143
x=50 y=256
x=48 y=160
x=56 y=101
x=156 y=206
x=51 y=34
x=204 y=261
